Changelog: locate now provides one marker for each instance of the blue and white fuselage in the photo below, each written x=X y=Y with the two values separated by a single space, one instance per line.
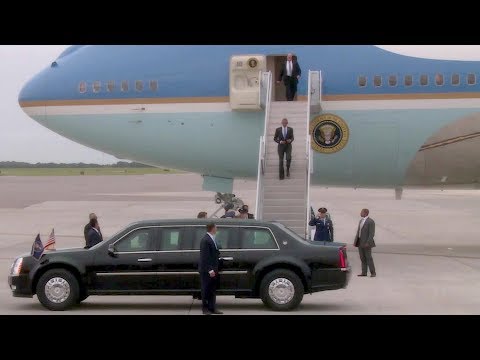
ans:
x=412 y=121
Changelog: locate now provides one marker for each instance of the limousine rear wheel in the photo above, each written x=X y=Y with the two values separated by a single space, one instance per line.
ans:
x=58 y=289
x=281 y=290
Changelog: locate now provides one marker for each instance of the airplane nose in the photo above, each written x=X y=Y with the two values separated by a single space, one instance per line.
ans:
x=32 y=96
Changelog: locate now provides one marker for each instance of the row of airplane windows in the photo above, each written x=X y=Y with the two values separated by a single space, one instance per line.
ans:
x=110 y=86
x=423 y=80
x=471 y=79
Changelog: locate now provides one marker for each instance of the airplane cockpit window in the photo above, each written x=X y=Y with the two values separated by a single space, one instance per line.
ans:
x=455 y=79
x=124 y=86
x=423 y=80
x=139 y=85
x=153 y=85
x=82 y=87
x=439 y=80
x=362 y=81
x=97 y=86
x=408 y=80
x=392 y=80
x=471 y=79
x=377 y=80
x=110 y=86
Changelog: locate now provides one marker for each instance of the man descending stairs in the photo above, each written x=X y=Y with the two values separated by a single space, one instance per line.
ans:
x=285 y=197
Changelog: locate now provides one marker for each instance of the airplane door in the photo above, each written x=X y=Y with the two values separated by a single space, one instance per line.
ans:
x=245 y=81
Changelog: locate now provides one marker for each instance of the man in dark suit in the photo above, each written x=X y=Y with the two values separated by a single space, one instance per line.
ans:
x=364 y=240
x=290 y=74
x=88 y=227
x=208 y=267
x=284 y=137
x=324 y=226
x=94 y=234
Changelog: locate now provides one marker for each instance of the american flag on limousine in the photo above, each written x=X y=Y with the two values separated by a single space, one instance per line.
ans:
x=50 y=245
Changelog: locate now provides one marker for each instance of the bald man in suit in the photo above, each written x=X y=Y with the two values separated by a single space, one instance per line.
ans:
x=290 y=74
x=364 y=241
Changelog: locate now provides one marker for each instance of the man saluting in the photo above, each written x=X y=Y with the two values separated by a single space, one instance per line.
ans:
x=208 y=268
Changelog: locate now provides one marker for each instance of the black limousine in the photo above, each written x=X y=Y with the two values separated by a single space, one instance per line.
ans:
x=259 y=259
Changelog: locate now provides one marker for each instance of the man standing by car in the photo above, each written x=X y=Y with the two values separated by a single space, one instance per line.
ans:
x=88 y=227
x=94 y=235
x=365 y=242
x=208 y=268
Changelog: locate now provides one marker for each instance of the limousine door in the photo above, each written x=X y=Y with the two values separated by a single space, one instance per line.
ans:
x=178 y=262
x=226 y=238
x=254 y=245
x=131 y=266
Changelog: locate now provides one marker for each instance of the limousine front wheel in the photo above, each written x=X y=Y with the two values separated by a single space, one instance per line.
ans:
x=281 y=290
x=58 y=289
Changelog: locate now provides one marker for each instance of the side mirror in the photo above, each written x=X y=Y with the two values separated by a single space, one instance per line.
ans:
x=111 y=250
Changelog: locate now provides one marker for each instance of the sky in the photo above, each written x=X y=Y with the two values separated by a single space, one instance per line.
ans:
x=23 y=139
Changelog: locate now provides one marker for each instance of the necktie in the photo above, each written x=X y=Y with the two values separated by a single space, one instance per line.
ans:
x=284 y=132
x=290 y=68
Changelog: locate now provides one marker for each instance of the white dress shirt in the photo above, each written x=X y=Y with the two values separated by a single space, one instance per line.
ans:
x=213 y=239
x=361 y=225
x=284 y=130
x=289 y=68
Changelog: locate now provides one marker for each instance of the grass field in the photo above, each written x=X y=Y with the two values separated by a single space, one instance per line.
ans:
x=82 y=171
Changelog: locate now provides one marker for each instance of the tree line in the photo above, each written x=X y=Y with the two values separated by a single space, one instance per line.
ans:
x=119 y=164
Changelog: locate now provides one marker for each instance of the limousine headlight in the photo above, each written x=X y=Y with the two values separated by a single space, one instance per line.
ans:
x=16 y=267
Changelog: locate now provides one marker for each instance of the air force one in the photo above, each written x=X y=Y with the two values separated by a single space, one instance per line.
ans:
x=364 y=116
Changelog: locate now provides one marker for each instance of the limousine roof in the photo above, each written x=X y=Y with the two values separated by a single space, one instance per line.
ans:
x=201 y=222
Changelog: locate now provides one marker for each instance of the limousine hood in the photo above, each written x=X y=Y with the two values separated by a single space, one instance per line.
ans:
x=57 y=251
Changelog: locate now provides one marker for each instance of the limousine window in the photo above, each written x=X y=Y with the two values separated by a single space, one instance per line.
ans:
x=254 y=238
x=138 y=240
x=170 y=239
x=225 y=237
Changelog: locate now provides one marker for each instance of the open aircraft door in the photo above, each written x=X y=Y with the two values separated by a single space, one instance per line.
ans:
x=245 y=72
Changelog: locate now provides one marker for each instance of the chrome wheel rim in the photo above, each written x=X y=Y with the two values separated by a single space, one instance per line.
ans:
x=281 y=291
x=57 y=290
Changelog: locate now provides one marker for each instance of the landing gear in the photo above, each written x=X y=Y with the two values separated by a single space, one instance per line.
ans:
x=227 y=199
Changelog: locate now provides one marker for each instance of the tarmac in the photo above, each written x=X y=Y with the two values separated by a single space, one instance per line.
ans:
x=427 y=255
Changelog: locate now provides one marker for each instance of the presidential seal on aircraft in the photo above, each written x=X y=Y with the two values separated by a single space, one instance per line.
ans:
x=329 y=133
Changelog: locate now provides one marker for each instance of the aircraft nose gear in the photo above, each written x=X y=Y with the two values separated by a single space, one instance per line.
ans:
x=227 y=200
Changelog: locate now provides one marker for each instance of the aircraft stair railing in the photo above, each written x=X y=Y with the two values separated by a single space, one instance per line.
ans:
x=265 y=102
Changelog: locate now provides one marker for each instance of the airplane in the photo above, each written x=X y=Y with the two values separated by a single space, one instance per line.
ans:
x=410 y=121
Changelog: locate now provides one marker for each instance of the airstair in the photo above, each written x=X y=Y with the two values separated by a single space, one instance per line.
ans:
x=287 y=201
